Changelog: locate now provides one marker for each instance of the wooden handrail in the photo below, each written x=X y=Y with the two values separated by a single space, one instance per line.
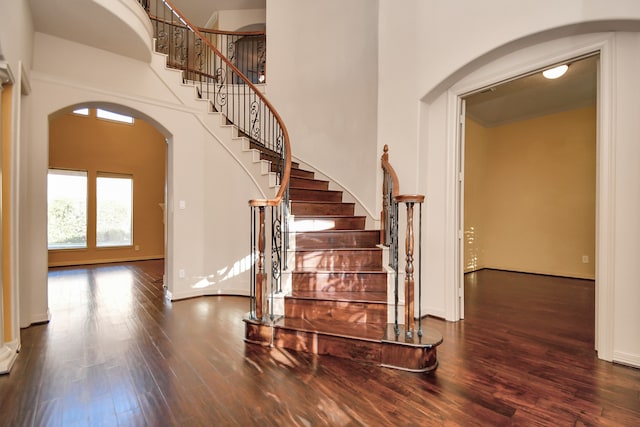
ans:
x=284 y=181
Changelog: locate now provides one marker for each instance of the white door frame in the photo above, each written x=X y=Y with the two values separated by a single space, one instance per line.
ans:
x=601 y=44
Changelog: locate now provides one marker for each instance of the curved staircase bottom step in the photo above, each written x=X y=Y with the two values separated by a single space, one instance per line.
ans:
x=416 y=353
x=364 y=343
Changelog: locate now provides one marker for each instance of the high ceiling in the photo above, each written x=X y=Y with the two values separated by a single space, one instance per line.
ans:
x=519 y=99
x=534 y=95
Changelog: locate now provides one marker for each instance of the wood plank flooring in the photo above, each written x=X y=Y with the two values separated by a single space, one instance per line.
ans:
x=117 y=353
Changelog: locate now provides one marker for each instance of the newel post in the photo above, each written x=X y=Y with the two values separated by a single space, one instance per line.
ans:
x=409 y=282
x=258 y=244
x=261 y=278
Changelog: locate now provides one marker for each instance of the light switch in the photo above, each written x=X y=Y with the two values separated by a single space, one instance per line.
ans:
x=182 y=204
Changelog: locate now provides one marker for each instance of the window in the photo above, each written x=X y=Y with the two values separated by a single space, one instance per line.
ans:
x=114 y=210
x=66 y=209
x=81 y=111
x=109 y=115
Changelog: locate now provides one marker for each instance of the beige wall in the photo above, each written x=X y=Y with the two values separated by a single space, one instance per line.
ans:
x=476 y=148
x=96 y=145
x=530 y=195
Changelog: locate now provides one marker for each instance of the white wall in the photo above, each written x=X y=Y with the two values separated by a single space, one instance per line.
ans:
x=16 y=33
x=322 y=72
x=454 y=41
x=233 y=20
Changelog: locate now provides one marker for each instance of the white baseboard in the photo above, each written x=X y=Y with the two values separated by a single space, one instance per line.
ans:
x=627 y=359
x=40 y=318
x=8 y=354
x=194 y=293
x=105 y=261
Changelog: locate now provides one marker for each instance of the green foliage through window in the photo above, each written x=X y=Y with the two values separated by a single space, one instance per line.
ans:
x=66 y=209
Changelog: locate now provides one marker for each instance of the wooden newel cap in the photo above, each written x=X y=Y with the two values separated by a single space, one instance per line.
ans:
x=409 y=198
x=256 y=203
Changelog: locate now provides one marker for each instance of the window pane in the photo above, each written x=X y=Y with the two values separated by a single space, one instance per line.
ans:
x=109 y=115
x=114 y=211
x=66 y=209
x=81 y=111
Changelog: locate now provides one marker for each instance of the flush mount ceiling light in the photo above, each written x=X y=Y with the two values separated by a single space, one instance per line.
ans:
x=555 y=72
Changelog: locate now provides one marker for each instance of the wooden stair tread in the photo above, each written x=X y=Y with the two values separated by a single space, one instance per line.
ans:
x=342 y=296
x=349 y=330
x=304 y=178
x=341 y=231
x=307 y=270
x=323 y=216
x=339 y=250
x=305 y=222
x=297 y=173
x=329 y=239
x=311 y=194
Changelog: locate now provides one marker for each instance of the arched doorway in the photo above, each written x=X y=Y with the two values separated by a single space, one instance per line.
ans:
x=512 y=67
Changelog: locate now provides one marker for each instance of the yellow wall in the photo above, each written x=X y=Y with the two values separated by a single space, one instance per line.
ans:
x=6 y=210
x=476 y=149
x=530 y=194
x=96 y=145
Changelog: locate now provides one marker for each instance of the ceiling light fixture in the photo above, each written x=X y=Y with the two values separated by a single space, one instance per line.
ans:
x=555 y=72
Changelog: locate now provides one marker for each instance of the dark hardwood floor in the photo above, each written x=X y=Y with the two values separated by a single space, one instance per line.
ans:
x=117 y=353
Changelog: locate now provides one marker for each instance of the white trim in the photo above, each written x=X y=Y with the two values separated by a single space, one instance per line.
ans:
x=605 y=189
x=605 y=203
x=206 y=292
x=40 y=318
x=626 y=358
x=8 y=354
x=452 y=257
x=105 y=260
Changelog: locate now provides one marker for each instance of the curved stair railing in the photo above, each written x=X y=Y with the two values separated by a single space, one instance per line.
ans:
x=230 y=92
x=391 y=198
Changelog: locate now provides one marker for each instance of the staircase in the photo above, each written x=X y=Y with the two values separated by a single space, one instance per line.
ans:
x=338 y=304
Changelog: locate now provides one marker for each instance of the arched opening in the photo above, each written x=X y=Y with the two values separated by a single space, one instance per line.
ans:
x=528 y=156
x=511 y=67
x=121 y=169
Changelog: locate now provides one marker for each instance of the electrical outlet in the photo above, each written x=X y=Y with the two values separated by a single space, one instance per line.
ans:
x=137 y=247
x=181 y=273
x=585 y=259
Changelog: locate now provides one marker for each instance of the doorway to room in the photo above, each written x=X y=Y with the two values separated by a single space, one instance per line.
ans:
x=528 y=162
x=117 y=162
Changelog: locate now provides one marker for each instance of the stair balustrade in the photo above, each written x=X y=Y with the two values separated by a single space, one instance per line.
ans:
x=391 y=198
x=225 y=67
x=228 y=82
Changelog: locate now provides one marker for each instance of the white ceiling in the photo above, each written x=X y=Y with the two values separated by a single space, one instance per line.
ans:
x=534 y=96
